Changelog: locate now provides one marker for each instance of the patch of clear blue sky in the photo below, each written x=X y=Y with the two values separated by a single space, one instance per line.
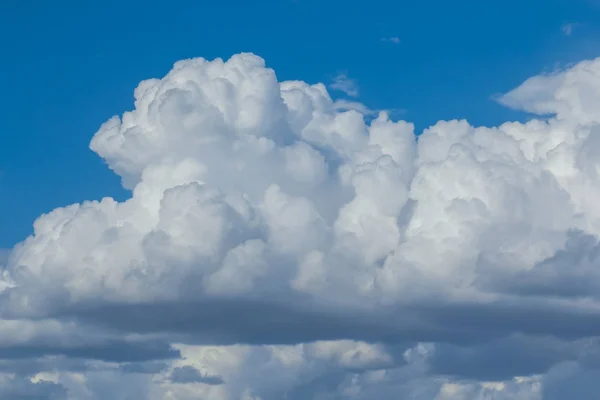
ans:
x=67 y=66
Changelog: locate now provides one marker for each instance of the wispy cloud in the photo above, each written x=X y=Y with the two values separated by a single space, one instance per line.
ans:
x=345 y=105
x=392 y=39
x=344 y=84
x=568 y=28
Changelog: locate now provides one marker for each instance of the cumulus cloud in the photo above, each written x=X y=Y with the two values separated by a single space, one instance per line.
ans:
x=280 y=244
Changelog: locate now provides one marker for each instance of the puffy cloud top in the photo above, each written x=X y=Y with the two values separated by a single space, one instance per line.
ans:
x=264 y=214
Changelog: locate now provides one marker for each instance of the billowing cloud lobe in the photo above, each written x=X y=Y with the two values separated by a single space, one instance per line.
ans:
x=276 y=244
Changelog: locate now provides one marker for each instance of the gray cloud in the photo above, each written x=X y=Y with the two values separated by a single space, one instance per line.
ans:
x=503 y=358
x=111 y=350
x=189 y=374
x=151 y=367
x=569 y=273
x=23 y=389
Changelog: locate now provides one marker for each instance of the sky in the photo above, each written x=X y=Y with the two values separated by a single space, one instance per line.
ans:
x=300 y=200
x=69 y=65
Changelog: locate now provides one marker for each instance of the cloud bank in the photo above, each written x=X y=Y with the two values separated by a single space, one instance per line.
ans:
x=276 y=245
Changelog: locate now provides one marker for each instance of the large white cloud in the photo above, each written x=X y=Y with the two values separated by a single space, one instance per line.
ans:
x=320 y=253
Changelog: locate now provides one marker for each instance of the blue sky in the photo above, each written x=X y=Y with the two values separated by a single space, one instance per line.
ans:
x=68 y=66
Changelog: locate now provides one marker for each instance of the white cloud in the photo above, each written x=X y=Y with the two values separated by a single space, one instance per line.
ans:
x=391 y=39
x=571 y=95
x=286 y=245
x=344 y=84
x=568 y=28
